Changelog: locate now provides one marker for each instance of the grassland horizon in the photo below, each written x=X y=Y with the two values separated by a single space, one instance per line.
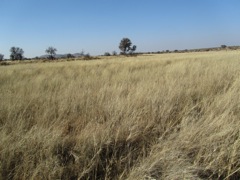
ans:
x=163 y=116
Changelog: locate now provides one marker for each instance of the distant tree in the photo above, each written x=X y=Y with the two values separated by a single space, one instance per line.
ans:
x=51 y=51
x=16 y=53
x=114 y=53
x=107 y=54
x=223 y=46
x=1 y=57
x=70 y=56
x=125 y=46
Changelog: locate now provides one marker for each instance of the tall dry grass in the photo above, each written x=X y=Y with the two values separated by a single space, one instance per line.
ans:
x=170 y=116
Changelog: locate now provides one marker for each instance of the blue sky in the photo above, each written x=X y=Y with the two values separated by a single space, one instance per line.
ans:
x=97 y=26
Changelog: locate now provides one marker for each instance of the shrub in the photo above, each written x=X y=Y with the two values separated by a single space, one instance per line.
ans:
x=4 y=63
x=107 y=54
x=87 y=57
x=70 y=56
x=223 y=46
x=114 y=53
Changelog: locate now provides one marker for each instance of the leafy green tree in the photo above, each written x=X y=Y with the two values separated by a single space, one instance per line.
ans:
x=51 y=51
x=16 y=53
x=126 y=46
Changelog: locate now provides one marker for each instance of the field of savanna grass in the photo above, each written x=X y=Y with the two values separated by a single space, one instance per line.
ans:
x=167 y=116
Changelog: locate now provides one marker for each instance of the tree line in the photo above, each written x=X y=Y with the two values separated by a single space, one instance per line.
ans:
x=17 y=53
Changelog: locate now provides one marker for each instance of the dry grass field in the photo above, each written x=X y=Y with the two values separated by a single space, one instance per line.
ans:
x=168 y=116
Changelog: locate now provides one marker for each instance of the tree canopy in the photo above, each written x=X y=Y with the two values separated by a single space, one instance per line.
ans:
x=51 y=51
x=126 y=46
x=16 y=53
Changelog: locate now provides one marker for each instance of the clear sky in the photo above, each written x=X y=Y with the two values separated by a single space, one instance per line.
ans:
x=97 y=26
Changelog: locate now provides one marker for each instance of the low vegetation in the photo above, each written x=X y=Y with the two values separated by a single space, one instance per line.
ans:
x=166 y=116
